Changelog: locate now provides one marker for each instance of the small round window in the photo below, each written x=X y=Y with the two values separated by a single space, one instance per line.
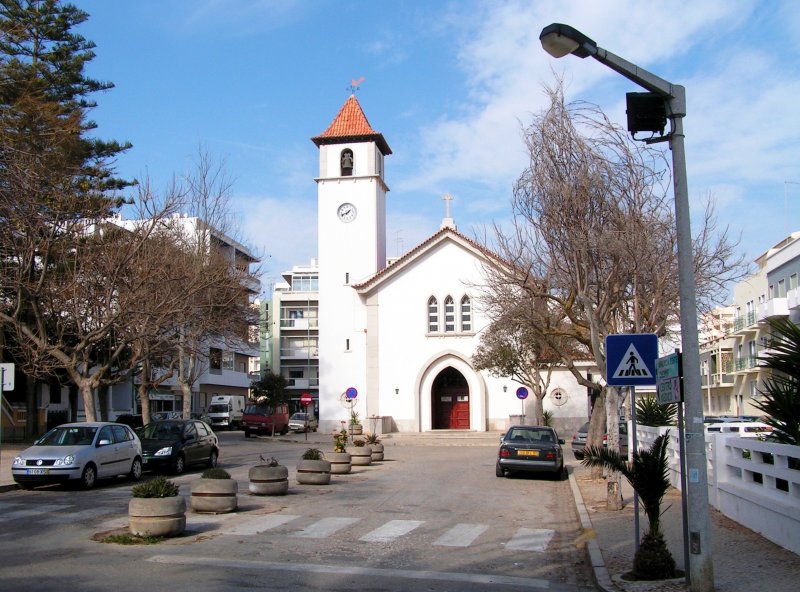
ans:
x=558 y=397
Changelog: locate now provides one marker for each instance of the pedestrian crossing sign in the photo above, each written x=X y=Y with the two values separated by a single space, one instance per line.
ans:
x=631 y=359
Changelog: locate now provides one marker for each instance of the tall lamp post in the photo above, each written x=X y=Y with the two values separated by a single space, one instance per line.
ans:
x=559 y=40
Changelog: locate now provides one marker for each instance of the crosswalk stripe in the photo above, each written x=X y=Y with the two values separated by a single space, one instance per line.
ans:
x=461 y=535
x=260 y=524
x=325 y=527
x=391 y=530
x=531 y=539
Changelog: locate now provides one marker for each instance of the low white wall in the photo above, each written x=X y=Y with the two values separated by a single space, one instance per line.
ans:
x=749 y=481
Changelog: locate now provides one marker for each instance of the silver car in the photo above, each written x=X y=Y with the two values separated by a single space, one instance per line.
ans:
x=302 y=422
x=81 y=453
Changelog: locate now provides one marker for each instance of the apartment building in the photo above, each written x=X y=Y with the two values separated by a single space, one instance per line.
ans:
x=293 y=332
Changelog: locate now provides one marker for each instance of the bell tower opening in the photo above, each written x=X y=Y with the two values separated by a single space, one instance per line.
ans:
x=347 y=163
x=450 y=401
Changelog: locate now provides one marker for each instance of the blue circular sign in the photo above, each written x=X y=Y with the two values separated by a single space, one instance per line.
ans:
x=351 y=393
x=522 y=393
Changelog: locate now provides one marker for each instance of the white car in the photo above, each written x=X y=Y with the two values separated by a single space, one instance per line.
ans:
x=302 y=422
x=81 y=453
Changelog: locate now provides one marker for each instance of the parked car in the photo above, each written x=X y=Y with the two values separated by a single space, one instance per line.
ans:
x=80 y=452
x=579 y=440
x=174 y=444
x=130 y=420
x=265 y=419
x=534 y=449
x=302 y=422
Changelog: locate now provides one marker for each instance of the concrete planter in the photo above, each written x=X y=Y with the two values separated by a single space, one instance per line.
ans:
x=266 y=480
x=361 y=455
x=377 y=452
x=313 y=472
x=157 y=516
x=340 y=462
x=214 y=496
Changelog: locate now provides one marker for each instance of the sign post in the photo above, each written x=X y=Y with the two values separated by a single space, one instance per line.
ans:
x=522 y=394
x=631 y=361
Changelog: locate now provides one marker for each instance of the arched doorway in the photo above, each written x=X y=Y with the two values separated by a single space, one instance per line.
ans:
x=450 y=401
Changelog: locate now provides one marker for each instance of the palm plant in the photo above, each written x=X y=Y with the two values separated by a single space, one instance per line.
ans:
x=781 y=393
x=652 y=413
x=648 y=475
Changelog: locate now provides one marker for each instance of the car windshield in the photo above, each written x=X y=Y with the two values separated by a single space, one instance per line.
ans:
x=161 y=430
x=257 y=410
x=219 y=408
x=299 y=417
x=531 y=435
x=68 y=436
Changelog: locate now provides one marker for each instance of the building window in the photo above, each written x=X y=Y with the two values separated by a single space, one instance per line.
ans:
x=227 y=360
x=347 y=162
x=433 y=315
x=215 y=359
x=305 y=283
x=466 y=314
x=793 y=281
x=781 y=289
x=449 y=315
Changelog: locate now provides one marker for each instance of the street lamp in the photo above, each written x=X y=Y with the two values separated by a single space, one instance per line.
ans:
x=559 y=40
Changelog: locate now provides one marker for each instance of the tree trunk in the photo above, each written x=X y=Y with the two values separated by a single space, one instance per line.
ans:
x=88 y=399
x=186 y=389
x=597 y=427
x=538 y=410
x=144 y=400
x=614 y=489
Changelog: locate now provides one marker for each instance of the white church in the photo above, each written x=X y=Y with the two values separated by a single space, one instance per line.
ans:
x=399 y=337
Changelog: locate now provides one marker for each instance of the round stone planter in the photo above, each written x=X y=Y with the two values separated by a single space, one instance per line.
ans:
x=340 y=462
x=266 y=480
x=361 y=455
x=214 y=496
x=157 y=516
x=356 y=429
x=313 y=472
x=377 y=452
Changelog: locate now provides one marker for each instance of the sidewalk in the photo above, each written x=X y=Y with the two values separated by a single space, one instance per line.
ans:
x=742 y=559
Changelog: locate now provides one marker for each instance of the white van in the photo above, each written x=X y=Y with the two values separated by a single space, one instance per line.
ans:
x=225 y=411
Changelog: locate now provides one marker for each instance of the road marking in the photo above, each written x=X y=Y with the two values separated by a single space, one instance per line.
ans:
x=371 y=572
x=461 y=535
x=325 y=527
x=531 y=539
x=391 y=530
x=261 y=524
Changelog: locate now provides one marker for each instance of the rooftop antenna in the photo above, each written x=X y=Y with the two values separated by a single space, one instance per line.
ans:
x=399 y=244
x=355 y=85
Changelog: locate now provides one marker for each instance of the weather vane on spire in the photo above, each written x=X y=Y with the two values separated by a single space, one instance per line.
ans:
x=355 y=84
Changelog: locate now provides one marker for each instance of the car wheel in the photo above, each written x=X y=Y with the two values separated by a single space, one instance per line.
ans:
x=212 y=459
x=136 y=469
x=26 y=486
x=499 y=471
x=564 y=474
x=89 y=476
x=246 y=433
x=285 y=430
x=180 y=465
x=578 y=455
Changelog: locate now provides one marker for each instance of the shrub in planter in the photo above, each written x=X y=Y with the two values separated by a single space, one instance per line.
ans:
x=268 y=478
x=360 y=454
x=313 y=469
x=355 y=426
x=215 y=492
x=157 y=509
x=375 y=443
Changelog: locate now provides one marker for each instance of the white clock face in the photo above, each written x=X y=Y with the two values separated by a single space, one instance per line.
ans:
x=346 y=212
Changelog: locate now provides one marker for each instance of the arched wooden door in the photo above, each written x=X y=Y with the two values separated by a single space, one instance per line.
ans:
x=450 y=401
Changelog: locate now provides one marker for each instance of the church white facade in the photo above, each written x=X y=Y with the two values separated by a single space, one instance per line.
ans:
x=401 y=336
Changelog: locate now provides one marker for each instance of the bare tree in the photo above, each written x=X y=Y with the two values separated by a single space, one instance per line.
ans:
x=593 y=236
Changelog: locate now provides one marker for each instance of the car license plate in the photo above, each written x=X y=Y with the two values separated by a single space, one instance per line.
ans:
x=527 y=453
x=37 y=471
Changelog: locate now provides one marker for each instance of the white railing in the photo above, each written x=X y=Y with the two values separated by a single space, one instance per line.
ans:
x=755 y=483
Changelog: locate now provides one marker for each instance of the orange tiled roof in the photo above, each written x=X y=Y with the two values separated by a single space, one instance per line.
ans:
x=351 y=124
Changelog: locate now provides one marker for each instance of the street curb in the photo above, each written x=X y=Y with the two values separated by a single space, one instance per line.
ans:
x=10 y=487
x=601 y=576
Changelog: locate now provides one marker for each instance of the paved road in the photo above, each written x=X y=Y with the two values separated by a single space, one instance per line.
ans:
x=427 y=518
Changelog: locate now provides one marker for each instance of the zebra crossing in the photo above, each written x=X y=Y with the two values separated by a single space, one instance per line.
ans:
x=111 y=516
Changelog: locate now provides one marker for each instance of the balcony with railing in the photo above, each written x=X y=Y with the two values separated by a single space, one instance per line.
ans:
x=299 y=324
x=746 y=323
x=302 y=353
x=773 y=308
x=746 y=363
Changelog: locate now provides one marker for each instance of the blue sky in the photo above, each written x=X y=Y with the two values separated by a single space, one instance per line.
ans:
x=450 y=85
